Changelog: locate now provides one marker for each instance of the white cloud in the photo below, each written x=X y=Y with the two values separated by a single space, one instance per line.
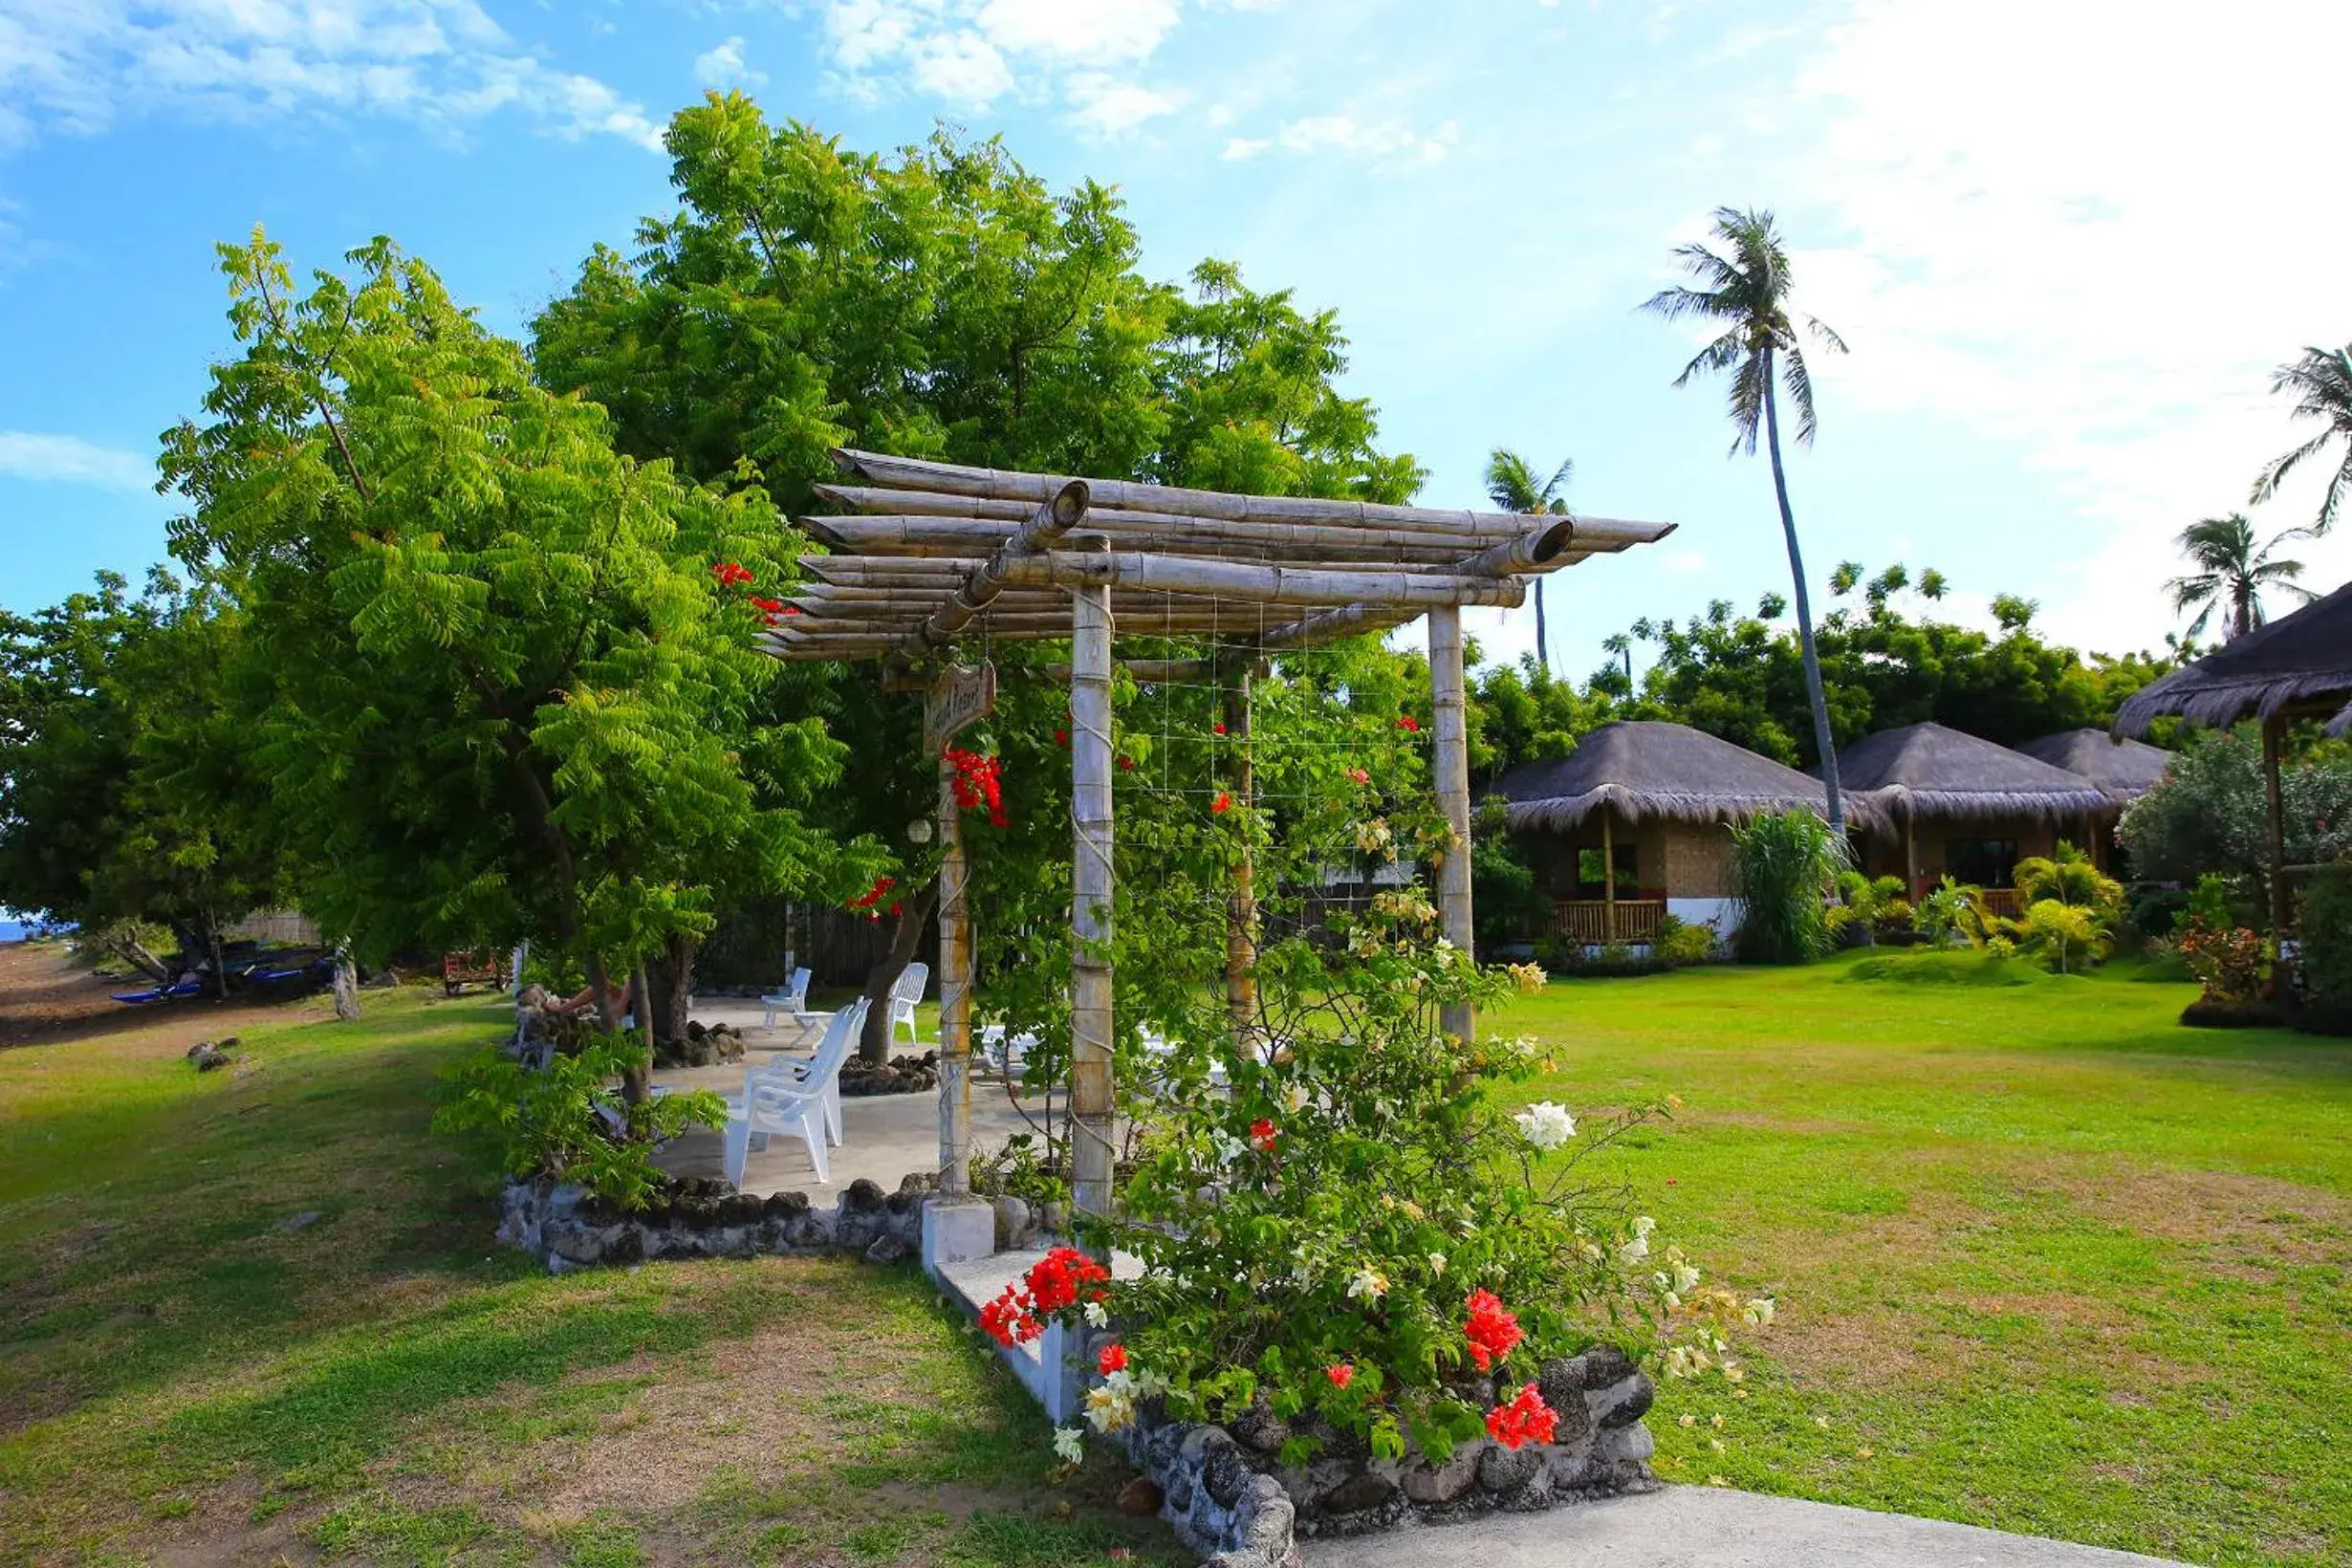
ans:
x=69 y=459
x=722 y=65
x=2090 y=233
x=75 y=66
x=1104 y=107
x=1244 y=146
x=973 y=51
x=1384 y=142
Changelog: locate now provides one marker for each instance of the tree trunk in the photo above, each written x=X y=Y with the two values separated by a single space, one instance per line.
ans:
x=134 y=952
x=635 y=1078
x=914 y=914
x=681 y=997
x=346 y=986
x=1543 y=643
x=1821 y=737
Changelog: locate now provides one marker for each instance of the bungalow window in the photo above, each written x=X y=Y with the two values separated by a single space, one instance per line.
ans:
x=1590 y=884
x=1986 y=862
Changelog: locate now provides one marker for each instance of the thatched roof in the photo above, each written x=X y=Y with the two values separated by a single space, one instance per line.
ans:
x=2301 y=661
x=2123 y=770
x=1929 y=771
x=1647 y=770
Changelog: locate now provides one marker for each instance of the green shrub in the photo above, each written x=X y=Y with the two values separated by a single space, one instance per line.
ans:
x=559 y=1121
x=1681 y=944
x=2069 y=937
x=2324 y=922
x=1953 y=915
x=2230 y=963
x=1783 y=863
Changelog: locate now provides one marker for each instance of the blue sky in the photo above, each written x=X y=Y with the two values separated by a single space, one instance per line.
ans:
x=2067 y=240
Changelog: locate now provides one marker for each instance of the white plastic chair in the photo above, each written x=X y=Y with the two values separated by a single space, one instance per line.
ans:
x=902 y=999
x=1003 y=1053
x=794 y=1000
x=838 y=1041
x=803 y=1102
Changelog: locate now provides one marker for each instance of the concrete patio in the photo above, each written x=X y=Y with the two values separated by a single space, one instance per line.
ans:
x=885 y=1137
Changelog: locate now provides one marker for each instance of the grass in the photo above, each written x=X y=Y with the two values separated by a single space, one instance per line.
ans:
x=257 y=1311
x=2045 y=1260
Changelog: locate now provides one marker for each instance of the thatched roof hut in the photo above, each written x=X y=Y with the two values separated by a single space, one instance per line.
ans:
x=1927 y=772
x=2298 y=663
x=1645 y=770
x=2122 y=770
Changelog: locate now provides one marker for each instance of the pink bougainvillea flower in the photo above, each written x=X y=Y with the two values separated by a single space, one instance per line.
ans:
x=1359 y=776
x=1262 y=1135
x=1492 y=1331
x=1222 y=803
x=1341 y=1374
x=1525 y=1420
x=1114 y=1359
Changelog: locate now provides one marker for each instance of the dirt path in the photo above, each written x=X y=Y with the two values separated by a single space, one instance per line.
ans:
x=46 y=998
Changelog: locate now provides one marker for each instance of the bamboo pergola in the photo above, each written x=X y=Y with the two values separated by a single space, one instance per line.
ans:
x=927 y=554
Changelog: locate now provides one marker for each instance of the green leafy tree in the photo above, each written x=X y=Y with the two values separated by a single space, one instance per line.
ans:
x=2208 y=814
x=129 y=797
x=940 y=301
x=2320 y=379
x=1747 y=292
x=2231 y=572
x=1516 y=485
x=492 y=675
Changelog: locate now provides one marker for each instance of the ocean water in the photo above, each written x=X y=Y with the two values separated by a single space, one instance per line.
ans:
x=12 y=931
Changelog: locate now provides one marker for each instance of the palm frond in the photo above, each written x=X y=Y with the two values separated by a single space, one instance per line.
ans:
x=2266 y=483
x=1751 y=385
x=1799 y=381
x=1720 y=355
x=1677 y=303
x=1823 y=332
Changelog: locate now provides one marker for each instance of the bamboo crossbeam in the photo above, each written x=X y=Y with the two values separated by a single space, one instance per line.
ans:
x=955 y=479
x=1531 y=551
x=910 y=529
x=1057 y=515
x=1262 y=584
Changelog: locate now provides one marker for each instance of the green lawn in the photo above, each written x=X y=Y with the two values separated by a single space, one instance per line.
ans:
x=2045 y=1260
x=186 y=1361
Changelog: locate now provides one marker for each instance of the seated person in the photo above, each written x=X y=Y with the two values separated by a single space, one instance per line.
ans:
x=622 y=998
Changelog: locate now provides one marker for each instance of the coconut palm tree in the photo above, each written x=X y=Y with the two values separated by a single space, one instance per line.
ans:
x=2232 y=573
x=2321 y=381
x=1745 y=287
x=1514 y=484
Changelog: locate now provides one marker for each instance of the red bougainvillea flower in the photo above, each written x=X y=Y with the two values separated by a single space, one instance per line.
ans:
x=1525 y=1420
x=729 y=575
x=979 y=781
x=1127 y=765
x=1410 y=724
x=1061 y=738
x=1359 y=776
x=1052 y=1285
x=1218 y=728
x=791 y=609
x=1114 y=1359
x=873 y=895
x=1222 y=803
x=1492 y=1331
x=1341 y=1374
x=1262 y=1136
x=774 y=606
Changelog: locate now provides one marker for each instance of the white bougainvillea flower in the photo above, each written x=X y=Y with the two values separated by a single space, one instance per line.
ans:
x=1070 y=1445
x=1110 y=1409
x=1687 y=1278
x=1097 y=1317
x=1367 y=1284
x=1547 y=1125
x=1437 y=1263
x=1761 y=1310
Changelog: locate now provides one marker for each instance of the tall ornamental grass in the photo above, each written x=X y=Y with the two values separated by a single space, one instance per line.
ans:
x=1783 y=863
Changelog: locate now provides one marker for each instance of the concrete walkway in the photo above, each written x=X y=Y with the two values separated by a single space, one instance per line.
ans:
x=1708 y=1527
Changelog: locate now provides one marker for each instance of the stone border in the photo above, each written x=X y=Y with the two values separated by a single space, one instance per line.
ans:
x=1231 y=1499
x=701 y=1217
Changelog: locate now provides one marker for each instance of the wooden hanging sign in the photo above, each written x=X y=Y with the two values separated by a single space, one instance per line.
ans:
x=957 y=700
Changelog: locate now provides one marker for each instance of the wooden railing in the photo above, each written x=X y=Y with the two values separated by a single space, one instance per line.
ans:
x=1586 y=922
x=2004 y=902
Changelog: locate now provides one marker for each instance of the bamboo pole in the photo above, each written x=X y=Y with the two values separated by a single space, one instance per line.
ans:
x=916 y=532
x=1452 y=774
x=1910 y=849
x=1241 y=902
x=1007 y=484
x=1534 y=551
x=955 y=975
x=1056 y=514
x=1394 y=586
x=1091 y=1104
x=1608 y=875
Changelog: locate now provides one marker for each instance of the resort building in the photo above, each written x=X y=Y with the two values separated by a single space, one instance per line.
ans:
x=1632 y=826
x=1932 y=802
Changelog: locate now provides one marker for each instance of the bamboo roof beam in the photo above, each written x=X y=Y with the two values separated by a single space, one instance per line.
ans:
x=1262 y=584
x=907 y=528
x=901 y=475
x=1057 y=514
